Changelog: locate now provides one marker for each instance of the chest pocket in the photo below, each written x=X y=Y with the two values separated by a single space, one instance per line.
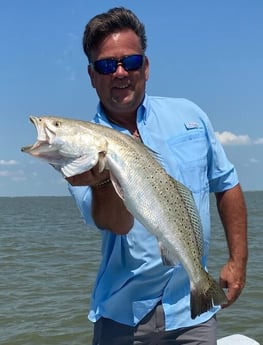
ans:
x=190 y=151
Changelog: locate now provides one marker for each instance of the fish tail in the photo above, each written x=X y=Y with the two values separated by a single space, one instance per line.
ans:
x=205 y=294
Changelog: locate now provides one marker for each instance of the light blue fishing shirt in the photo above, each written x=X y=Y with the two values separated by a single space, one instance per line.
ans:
x=132 y=278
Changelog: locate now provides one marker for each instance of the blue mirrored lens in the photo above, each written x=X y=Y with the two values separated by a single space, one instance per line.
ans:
x=105 y=66
x=132 y=62
x=108 y=66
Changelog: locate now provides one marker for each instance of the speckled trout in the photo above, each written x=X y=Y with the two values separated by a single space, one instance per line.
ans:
x=164 y=206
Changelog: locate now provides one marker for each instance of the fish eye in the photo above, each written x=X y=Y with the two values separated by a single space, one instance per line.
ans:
x=57 y=123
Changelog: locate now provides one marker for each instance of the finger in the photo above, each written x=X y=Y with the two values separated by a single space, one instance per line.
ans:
x=80 y=179
x=70 y=180
x=75 y=181
x=231 y=295
x=223 y=283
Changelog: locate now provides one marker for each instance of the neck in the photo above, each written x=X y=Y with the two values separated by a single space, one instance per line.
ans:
x=128 y=122
x=125 y=120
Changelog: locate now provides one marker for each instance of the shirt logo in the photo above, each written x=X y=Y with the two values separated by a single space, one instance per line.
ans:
x=191 y=125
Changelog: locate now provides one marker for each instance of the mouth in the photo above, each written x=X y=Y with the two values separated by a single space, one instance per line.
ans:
x=44 y=135
x=121 y=84
x=121 y=92
x=122 y=87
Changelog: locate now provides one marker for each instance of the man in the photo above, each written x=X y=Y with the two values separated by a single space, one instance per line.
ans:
x=137 y=299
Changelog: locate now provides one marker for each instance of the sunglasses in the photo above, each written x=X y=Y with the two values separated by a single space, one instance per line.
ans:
x=108 y=66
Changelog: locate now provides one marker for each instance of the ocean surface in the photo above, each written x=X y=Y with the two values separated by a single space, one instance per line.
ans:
x=48 y=263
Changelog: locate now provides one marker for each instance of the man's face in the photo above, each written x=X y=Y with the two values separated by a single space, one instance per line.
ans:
x=120 y=92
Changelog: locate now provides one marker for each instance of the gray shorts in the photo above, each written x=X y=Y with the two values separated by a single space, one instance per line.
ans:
x=150 y=331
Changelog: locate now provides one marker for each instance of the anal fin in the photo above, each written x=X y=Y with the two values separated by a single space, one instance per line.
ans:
x=168 y=258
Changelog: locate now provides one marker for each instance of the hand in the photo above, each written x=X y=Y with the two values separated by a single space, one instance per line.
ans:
x=232 y=278
x=89 y=178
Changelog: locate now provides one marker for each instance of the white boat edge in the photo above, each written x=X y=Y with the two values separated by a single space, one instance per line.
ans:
x=237 y=339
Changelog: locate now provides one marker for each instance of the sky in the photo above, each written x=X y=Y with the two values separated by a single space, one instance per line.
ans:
x=208 y=51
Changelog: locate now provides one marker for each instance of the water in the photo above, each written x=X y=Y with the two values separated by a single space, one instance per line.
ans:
x=48 y=263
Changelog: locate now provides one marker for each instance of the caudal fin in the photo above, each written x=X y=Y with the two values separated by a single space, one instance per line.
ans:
x=205 y=295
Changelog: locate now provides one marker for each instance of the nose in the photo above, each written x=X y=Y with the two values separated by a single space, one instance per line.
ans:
x=120 y=70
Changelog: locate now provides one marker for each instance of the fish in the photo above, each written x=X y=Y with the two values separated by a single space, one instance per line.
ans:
x=163 y=205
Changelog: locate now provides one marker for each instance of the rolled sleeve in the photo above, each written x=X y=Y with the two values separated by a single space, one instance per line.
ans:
x=82 y=196
x=225 y=182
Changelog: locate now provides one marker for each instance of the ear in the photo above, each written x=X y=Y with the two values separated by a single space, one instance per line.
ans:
x=146 y=68
x=91 y=75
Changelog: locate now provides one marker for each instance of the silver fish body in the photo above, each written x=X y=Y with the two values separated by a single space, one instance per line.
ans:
x=163 y=205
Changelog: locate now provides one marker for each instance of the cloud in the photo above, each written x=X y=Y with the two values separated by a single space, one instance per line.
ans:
x=4 y=173
x=259 y=141
x=18 y=175
x=9 y=172
x=228 y=138
x=10 y=162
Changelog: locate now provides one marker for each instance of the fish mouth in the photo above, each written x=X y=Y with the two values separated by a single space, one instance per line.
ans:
x=43 y=145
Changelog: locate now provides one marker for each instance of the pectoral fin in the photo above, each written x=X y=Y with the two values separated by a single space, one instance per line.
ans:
x=117 y=186
x=102 y=161
x=76 y=166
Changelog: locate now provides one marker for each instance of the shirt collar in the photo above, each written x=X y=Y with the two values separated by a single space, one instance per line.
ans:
x=142 y=112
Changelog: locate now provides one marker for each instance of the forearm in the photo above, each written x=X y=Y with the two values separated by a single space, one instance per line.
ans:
x=232 y=210
x=108 y=210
